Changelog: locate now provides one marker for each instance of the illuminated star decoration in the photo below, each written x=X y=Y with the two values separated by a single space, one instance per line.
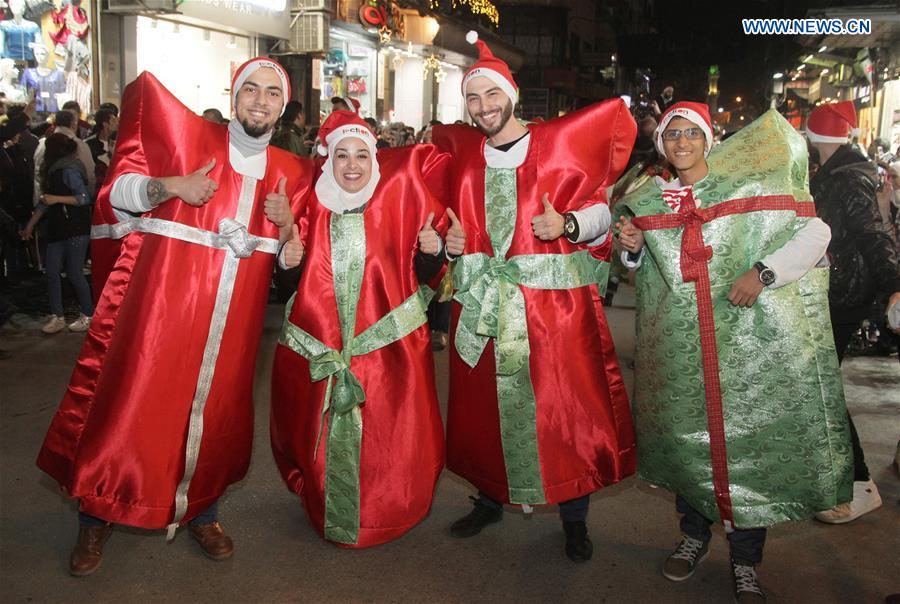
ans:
x=384 y=35
x=431 y=64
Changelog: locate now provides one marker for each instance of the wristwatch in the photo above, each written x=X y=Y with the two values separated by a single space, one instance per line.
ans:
x=766 y=275
x=570 y=227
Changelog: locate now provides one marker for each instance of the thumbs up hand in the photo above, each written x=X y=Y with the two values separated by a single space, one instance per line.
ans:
x=194 y=189
x=548 y=225
x=429 y=242
x=292 y=253
x=278 y=210
x=456 y=236
x=631 y=238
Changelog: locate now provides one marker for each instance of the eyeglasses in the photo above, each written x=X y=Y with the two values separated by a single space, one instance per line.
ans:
x=691 y=134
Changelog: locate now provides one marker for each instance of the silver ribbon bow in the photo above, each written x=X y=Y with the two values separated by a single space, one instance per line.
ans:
x=235 y=235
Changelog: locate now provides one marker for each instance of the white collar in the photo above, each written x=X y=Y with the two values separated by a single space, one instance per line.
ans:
x=669 y=185
x=513 y=158
x=253 y=166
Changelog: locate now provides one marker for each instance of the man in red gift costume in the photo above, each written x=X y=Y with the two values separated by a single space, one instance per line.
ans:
x=356 y=427
x=538 y=412
x=158 y=417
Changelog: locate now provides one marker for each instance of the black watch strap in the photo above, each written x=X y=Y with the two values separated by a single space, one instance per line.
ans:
x=570 y=227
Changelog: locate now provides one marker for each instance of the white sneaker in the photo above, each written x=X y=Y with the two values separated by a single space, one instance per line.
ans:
x=865 y=499
x=55 y=325
x=80 y=324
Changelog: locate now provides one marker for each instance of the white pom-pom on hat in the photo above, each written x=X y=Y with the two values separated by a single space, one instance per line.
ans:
x=855 y=132
x=323 y=151
x=472 y=36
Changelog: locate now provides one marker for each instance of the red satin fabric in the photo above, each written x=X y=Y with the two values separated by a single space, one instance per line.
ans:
x=104 y=252
x=118 y=438
x=403 y=441
x=585 y=434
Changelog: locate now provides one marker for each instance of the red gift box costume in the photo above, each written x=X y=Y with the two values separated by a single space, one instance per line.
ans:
x=160 y=398
x=571 y=434
x=356 y=428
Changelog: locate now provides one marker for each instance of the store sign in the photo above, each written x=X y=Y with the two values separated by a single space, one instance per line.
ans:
x=382 y=15
x=268 y=17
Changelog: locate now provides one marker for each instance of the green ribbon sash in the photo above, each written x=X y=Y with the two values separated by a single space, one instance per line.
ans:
x=489 y=288
x=344 y=393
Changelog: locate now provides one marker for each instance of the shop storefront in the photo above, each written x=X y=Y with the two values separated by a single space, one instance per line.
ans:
x=350 y=69
x=195 y=52
x=391 y=63
x=164 y=48
x=46 y=54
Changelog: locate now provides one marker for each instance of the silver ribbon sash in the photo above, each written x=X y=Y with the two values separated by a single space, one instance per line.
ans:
x=234 y=237
x=232 y=234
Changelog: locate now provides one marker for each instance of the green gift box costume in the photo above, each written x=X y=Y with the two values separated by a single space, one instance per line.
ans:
x=739 y=410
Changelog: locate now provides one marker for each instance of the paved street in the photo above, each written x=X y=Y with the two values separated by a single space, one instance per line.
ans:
x=279 y=558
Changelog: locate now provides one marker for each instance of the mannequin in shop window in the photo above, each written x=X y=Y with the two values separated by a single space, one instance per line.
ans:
x=9 y=77
x=43 y=82
x=74 y=22
x=18 y=34
x=77 y=62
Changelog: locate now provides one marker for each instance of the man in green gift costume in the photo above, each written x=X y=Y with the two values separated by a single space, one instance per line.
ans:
x=738 y=407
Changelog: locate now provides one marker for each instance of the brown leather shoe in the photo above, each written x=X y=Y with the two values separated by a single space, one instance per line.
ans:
x=213 y=540
x=88 y=551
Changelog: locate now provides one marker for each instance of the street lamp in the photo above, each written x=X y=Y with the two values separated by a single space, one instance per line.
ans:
x=737 y=99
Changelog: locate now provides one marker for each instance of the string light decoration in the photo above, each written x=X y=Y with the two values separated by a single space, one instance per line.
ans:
x=430 y=64
x=433 y=64
x=477 y=7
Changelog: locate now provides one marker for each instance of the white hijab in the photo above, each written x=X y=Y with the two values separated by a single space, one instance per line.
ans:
x=328 y=191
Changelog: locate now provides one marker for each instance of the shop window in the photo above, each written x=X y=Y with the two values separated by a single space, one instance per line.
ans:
x=45 y=54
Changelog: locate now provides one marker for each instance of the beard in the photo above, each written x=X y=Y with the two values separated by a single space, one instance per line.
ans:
x=254 y=130
x=505 y=115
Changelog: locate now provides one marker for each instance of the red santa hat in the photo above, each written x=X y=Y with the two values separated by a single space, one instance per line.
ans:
x=244 y=71
x=343 y=124
x=352 y=104
x=832 y=123
x=697 y=113
x=490 y=67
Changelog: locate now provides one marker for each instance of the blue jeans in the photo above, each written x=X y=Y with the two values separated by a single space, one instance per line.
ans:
x=746 y=544
x=72 y=252
x=210 y=514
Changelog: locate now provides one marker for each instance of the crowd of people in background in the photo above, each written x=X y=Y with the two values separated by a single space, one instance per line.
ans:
x=51 y=171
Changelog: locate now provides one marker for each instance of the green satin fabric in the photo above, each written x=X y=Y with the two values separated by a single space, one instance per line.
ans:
x=493 y=307
x=343 y=393
x=787 y=437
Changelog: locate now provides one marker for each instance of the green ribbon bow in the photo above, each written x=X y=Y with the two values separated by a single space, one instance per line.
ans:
x=489 y=288
x=494 y=306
